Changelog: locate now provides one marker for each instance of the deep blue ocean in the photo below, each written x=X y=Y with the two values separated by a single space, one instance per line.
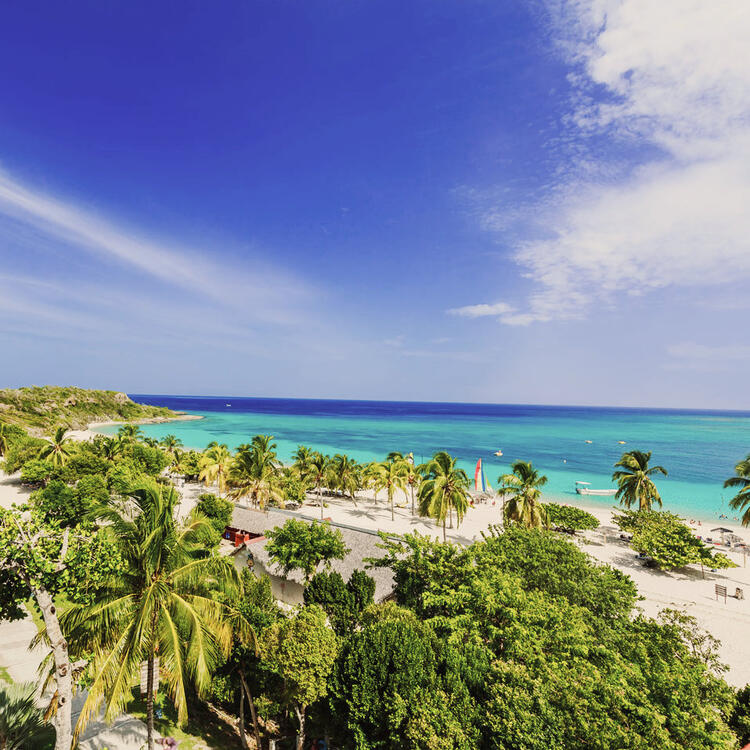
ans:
x=698 y=448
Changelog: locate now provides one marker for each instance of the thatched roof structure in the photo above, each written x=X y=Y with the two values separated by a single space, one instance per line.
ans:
x=361 y=542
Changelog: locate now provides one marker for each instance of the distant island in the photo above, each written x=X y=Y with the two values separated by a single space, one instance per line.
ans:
x=39 y=409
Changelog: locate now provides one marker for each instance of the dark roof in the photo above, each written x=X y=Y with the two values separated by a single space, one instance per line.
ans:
x=362 y=544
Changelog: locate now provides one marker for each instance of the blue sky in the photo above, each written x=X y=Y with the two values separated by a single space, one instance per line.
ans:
x=460 y=200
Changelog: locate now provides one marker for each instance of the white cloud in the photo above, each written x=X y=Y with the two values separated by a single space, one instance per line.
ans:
x=254 y=287
x=670 y=78
x=482 y=310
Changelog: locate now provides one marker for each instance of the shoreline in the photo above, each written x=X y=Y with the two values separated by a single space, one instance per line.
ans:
x=90 y=431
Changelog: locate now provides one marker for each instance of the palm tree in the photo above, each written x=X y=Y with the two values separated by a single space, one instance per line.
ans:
x=634 y=483
x=413 y=477
x=390 y=476
x=170 y=443
x=317 y=473
x=347 y=474
x=110 y=448
x=129 y=433
x=524 y=486
x=58 y=448
x=444 y=489
x=251 y=473
x=159 y=606
x=301 y=458
x=265 y=451
x=215 y=466
x=22 y=725
x=741 y=501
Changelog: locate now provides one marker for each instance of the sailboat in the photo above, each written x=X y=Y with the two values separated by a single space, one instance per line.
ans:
x=480 y=479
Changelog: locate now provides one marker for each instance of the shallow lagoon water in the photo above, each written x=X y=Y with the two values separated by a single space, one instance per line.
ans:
x=698 y=448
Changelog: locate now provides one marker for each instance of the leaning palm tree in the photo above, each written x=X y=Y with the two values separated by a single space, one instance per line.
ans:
x=390 y=476
x=524 y=487
x=215 y=465
x=162 y=611
x=741 y=501
x=251 y=474
x=58 y=448
x=22 y=725
x=444 y=489
x=634 y=483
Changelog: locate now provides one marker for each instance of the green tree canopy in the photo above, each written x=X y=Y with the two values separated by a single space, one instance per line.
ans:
x=388 y=691
x=549 y=662
x=302 y=650
x=342 y=602
x=667 y=540
x=568 y=518
x=298 y=545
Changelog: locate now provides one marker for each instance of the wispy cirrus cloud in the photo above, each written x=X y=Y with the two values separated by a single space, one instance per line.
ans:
x=249 y=285
x=666 y=83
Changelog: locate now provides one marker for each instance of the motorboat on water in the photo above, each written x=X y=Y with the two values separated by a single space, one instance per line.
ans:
x=584 y=488
x=498 y=452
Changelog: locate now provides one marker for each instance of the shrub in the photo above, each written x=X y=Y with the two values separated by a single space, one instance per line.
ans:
x=569 y=519
x=36 y=472
x=218 y=510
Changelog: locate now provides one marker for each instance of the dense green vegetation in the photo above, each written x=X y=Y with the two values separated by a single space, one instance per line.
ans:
x=519 y=641
x=43 y=408
x=568 y=518
x=667 y=541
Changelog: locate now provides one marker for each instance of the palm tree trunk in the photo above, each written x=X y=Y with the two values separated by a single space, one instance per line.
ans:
x=241 y=726
x=443 y=529
x=63 y=676
x=393 y=515
x=300 y=711
x=450 y=513
x=150 y=702
x=320 y=499
x=251 y=703
x=412 y=499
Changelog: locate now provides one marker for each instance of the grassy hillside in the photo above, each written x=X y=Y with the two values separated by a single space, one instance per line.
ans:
x=41 y=408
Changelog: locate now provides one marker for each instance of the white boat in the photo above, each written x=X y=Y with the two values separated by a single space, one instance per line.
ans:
x=584 y=488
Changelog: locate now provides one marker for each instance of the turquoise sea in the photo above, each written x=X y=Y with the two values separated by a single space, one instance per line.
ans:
x=698 y=448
